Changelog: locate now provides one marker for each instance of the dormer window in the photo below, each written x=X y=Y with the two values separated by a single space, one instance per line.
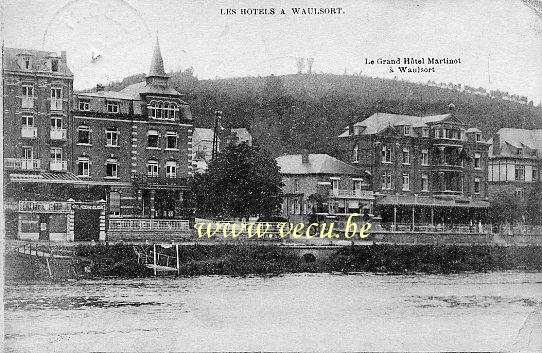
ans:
x=54 y=65
x=113 y=107
x=27 y=64
x=478 y=137
x=407 y=130
x=520 y=151
x=163 y=110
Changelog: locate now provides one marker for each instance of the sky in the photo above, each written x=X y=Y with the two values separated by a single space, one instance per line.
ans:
x=499 y=42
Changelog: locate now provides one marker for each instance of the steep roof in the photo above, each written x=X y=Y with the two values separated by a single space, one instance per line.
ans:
x=380 y=121
x=157 y=64
x=134 y=90
x=318 y=164
x=106 y=94
x=511 y=139
x=39 y=62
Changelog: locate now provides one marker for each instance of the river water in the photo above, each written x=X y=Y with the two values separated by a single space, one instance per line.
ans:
x=290 y=312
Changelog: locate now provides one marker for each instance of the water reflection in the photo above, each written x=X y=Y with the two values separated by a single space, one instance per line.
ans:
x=68 y=303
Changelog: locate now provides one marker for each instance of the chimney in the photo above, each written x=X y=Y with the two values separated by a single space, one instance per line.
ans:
x=305 y=156
x=351 y=129
x=99 y=88
x=496 y=144
x=451 y=108
x=63 y=57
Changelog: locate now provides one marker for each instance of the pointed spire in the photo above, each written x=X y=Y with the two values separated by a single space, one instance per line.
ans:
x=157 y=64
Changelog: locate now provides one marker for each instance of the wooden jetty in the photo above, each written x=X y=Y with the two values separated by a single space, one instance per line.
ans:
x=157 y=261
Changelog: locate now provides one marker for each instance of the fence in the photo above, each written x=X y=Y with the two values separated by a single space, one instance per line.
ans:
x=433 y=228
x=148 y=225
x=520 y=229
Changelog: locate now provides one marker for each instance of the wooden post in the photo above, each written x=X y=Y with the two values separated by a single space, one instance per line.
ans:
x=49 y=268
x=412 y=218
x=178 y=262
x=154 y=256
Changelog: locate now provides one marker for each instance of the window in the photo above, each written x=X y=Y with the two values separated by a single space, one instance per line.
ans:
x=27 y=122
x=152 y=139
x=357 y=187
x=296 y=185
x=425 y=182
x=56 y=98
x=477 y=164
x=54 y=65
x=28 y=152
x=520 y=173
x=162 y=110
x=406 y=156
x=425 y=132
x=56 y=154
x=171 y=169
x=114 y=203
x=26 y=63
x=113 y=107
x=335 y=185
x=535 y=174
x=111 y=168
x=27 y=127
x=476 y=185
x=386 y=181
x=478 y=137
x=152 y=168
x=56 y=123
x=83 y=166
x=83 y=135
x=84 y=105
x=297 y=206
x=171 y=140
x=28 y=91
x=425 y=157
x=406 y=182
x=407 y=130
x=386 y=154
x=112 y=137
x=355 y=157
x=520 y=193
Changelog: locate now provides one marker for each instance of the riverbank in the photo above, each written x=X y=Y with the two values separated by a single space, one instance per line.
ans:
x=120 y=260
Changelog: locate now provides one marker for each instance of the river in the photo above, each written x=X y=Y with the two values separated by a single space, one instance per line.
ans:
x=290 y=312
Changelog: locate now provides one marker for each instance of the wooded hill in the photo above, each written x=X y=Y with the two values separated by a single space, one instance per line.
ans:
x=286 y=114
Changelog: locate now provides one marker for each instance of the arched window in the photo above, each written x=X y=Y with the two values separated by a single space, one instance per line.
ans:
x=171 y=169
x=152 y=168
x=152 y=109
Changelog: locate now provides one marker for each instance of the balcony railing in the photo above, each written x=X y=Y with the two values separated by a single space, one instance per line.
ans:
x=58 y=134
x=58 y=165
x=56 y=104
x=147 y=180
x=20 y=163
x=47 y=206
x=148 y=225
x=350 y=193
x=28 y=102
x=29 y=132
x=434 y=228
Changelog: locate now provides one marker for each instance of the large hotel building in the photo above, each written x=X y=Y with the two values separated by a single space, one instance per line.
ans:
x=73 y=163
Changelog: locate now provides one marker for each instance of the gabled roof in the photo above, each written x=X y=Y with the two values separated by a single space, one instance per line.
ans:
x=318 y=164
x=511 y=139
x=40 y=58
x=106 y=94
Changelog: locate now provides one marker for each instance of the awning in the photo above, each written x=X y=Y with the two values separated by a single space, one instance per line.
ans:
x=412 y=200
x=50 y=178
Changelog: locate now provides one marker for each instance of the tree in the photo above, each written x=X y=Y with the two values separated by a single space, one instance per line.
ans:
x=241 y=181
x=533 y=201
x=506 y=208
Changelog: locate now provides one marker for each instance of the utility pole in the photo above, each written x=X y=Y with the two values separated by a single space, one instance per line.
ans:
x=218 y=115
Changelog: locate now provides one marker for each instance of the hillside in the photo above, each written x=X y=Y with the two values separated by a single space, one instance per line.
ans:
x=288 y=113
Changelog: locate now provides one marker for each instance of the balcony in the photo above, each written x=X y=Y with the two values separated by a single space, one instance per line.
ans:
x=58 y=134
x=21 y=164
x=143 y=180
x=29 y=132
x=28 y=102
x=56 y=104
x=357 y=194
x=60 y=166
